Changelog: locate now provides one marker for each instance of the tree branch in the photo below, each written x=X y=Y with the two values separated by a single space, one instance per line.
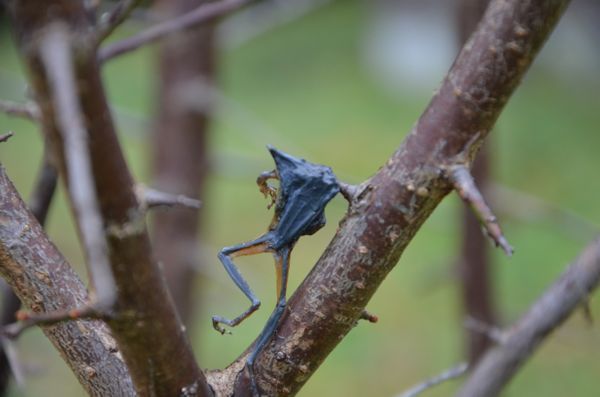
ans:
x=27 y=111
x=144 y=322
x=449 y=374
x=202 y=13
x=109 y=21
x=571 y=290
x=45 y=282
x=6 y=137
x=398 y=199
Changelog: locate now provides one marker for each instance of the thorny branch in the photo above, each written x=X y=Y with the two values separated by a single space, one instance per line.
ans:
x=202 y=13
x=394 y=203
x=572 y=289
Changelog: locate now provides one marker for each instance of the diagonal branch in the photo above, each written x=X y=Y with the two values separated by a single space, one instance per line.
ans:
x=449 y=374
x=463 y=183
x=203 y=13
x=398 y=199
x=45 y=282
x=568 y=293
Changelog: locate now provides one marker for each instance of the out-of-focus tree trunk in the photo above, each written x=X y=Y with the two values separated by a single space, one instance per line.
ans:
x=476 y=283
x=180 y=139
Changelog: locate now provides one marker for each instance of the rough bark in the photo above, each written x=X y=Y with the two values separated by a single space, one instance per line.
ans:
x=179 y=147
x=474 y=266
x=44 y=281
x=392 y=205
x=144 y=321
x=498 y=366
x=39 y=205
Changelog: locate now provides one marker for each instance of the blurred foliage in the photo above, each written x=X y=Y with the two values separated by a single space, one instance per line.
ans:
x=302 y=88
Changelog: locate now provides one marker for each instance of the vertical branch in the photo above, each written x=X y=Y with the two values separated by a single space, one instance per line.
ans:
x=474 y=265
x=180 y=146
x=144 y=321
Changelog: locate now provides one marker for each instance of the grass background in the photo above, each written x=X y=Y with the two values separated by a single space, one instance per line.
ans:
x=302 y=88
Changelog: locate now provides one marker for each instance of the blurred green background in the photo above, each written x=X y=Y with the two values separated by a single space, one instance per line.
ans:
x=304 y=88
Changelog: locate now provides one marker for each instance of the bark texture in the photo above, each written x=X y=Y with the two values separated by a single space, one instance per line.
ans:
x=180 y=152
x=391 y=206
x=44 y=281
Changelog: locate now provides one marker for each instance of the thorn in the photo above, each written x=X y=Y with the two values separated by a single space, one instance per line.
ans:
x=463 y=183
x=5 y=137
x=365 y=315
x=152 y=198
x=348 y=191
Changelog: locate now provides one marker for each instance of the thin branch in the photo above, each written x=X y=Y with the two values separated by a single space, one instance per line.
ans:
x=568 y=293
x=152 y=198
x=56 y=56
x=449 y=374
x=6 y=137
x=467 y=190
x=203 y=13
x=494 y=334
x=110 y=20
x=27 y=111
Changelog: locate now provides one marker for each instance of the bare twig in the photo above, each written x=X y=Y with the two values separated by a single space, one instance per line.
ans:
x=110 y=20
x=449 y=374
x=467 y=190
x=494 y=334
x=27 y=111
x=57 y=59
x=201 y=14
x=152 y=198
x=572 y=289
x=6 y=137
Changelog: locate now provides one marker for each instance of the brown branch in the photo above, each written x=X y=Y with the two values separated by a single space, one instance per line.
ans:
x=449 y=374
x=45 y=282
x=152 y=198
x=6 y=137
x=203 y=13
x=467 y=190
x=399 y=198
x=144 y=323
x=27 y=111
x=110 y=20
x=39 y=204
x=571 y=290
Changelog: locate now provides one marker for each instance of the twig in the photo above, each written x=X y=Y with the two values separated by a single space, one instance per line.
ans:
x=370 y=317
x=447 y=375
x=110 y=20
x=153 y=198
x=6 y=137
x=467 y=190
x=201 y=14
x=572 y=289
x=57 y=60
x=493 y=333
x=27 y=111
